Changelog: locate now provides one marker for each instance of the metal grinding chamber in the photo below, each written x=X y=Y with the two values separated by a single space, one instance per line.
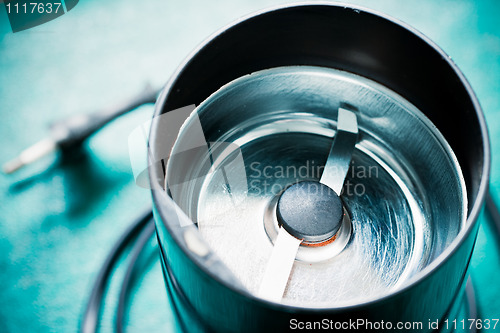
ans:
x=334 y=168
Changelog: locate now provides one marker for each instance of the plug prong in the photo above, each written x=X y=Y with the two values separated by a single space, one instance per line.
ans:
x=30 y=155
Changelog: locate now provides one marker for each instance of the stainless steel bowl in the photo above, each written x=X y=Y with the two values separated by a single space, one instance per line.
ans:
x=268 y=90
x=404 y=193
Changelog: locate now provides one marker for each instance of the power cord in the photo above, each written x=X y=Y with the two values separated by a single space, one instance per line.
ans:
x=68 y=133
x=93 y=309
x=141 y=242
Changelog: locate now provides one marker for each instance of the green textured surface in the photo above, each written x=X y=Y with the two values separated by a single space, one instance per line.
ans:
x=57 y=225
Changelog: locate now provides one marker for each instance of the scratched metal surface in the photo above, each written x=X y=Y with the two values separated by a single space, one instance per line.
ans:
x=395 y=226
x=59 y=218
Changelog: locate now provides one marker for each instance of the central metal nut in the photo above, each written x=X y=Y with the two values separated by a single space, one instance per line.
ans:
x=310 y=211
x=309 y=251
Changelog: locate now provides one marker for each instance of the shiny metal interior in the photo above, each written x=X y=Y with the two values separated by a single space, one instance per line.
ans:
x=405 y=193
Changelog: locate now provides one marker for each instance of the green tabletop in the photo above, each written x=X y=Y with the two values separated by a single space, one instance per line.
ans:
x=59 y=217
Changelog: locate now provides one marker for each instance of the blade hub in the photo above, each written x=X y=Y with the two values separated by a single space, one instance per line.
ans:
x=310 y=211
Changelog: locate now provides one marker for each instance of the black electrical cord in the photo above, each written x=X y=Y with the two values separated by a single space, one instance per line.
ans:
x=175 y=288
x=139 y=245
x=91 y=316
x=68 y=133
x=175 y=291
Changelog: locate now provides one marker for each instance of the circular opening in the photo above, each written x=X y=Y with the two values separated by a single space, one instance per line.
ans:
x=404 y=192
